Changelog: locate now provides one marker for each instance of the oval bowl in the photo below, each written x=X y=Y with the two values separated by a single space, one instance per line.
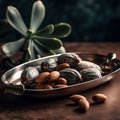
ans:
x=108 y=64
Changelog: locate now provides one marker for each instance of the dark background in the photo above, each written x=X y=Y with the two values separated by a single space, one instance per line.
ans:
x=91 y=20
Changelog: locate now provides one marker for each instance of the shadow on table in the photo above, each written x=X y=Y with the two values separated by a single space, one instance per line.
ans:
x=8 y=102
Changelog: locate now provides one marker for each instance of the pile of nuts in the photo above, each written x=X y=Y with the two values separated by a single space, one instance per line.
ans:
x=67 y=69
x=50 y=80
x=83 y=103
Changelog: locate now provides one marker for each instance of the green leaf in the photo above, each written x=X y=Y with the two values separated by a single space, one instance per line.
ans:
x=60 y=50
x=12 y=48
x=15 y=20
x=51 y=43
x=45 y=31
x=37 y=16
x=41 y=49
x=61 y=30
x=31 y=50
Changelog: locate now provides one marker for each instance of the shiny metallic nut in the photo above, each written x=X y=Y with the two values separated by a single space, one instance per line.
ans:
x=62 y=66
x=99 y=98
x=60 y=86
x=48 y=65
x=47 y=86
x=71 y=75
x=90 y=74
x=42 y=78
x=61 y=81
x=86 y=64
x=53 y=76
x=28 y=75
x=83 y=105
x=76 y=97
x=72 y=59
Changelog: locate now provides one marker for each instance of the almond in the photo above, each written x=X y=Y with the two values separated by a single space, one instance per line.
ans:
x=42 y=77
x=47 y=86
x=52 y=84
x=76 y=97
x=62 y=66
x=99 y=98
x=53 y=76
x=60 y=86
x=61 y=81
x=39 y=86
x=83 y=105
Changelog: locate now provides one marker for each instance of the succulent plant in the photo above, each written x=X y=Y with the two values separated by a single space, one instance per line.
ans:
x=43 y=42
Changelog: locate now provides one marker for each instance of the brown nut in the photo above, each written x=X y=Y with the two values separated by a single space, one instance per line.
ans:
x=99 y=98
x=83 y=105
x=61 y=81
x=62 y=66
x=38 y=86
x=60 y=86
x=52 y=84
x=42 y=77
x=76 y=97
x=53 y=76
x=47 y=86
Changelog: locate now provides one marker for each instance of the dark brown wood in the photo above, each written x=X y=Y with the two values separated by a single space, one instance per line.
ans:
x=24 y=108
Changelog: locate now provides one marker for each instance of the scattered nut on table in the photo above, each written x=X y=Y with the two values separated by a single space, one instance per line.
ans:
x=83 y=105
x=99 y=98
x=76 y=97
x=81 y=101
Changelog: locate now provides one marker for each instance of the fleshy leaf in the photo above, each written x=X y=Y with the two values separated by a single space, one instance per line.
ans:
x=61 y=30
x=42 y=50
x=60 y=50
x=45 y=31
x=12 y=48
x=15 y=20
x=51 y=43
x=31 y=50
x=37 y=16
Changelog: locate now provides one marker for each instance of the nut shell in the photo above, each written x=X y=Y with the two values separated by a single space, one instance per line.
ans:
x=29 y=75
x=87 y=64
x=71 y=59
x=48 y=65
x=90 y=74
x=71 y=75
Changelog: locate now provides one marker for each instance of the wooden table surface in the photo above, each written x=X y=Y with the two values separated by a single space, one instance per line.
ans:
x=23 y=108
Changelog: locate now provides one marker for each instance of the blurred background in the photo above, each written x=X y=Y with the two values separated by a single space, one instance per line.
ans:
x=91 y=20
